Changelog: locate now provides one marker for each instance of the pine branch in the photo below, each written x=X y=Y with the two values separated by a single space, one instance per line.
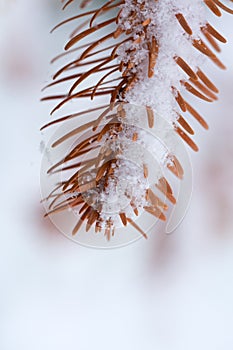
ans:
x=150 y=55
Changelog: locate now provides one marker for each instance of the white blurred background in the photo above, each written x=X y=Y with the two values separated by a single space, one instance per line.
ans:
x=169 y=292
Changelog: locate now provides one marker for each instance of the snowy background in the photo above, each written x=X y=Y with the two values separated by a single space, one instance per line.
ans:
x=170 y=292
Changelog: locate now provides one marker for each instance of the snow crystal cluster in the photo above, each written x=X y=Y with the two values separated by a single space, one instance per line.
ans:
x=133 y=149
x=172 y=40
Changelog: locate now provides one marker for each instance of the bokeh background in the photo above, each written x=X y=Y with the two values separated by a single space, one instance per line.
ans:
x=170 y=292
